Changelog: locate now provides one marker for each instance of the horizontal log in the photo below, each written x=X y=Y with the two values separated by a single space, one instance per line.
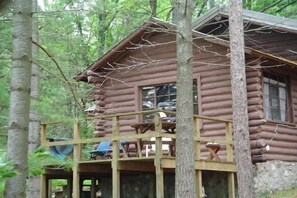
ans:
x=122 y=98
x=281 y=150
x=253 y=72
x=290 y=158
x=254 y=94
x=216 y=85
x=258 y=143
x=218 y=112
x=98 y=90
x=222 y=97
x=99 y=133
x=257 y=151
x=120 y=90
x=254 y=87
x=258 y=158
x=256 y=122
x=283 y=144
x=253 y=80
x=255 y=101
x=213 y=126
x=279 y=128
x=216 y=92
x=216 y=105
x=252 y=108
x=100 y=103
x=217 y=78
x=120 y=110
x=279 y=137
x=256 y=115
x=215 y=72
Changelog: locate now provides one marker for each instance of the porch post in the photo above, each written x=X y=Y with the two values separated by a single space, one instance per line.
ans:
x=76 y=157
x=197 y=152
x=115 y=157
x=159 y=152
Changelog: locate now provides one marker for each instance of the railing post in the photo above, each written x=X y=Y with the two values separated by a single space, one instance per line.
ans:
x=43 y=134
x=159 y=153
x=229 y=147
x=76 y=158
x=229 y=150
x=43 y=179
x=197 y=150
x=115 y=158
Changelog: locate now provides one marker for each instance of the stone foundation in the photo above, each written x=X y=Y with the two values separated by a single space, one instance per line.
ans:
x=274 y=176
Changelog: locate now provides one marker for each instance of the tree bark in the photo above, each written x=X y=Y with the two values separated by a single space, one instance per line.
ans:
x=185 y=185
x=239 y=103
x=153 y=5
x=34 y=125
x=17 y=145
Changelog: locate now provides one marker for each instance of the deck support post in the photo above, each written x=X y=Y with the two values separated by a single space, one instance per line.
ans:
x=229 y=150
x=77 y=158
x=231 y=185
x=115 y=159
x=197 y=153
x=159 y=152
x=43 y=186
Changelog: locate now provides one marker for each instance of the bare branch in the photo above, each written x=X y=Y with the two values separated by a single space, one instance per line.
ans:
x=62 y=73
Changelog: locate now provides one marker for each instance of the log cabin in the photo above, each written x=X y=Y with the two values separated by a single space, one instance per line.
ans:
x=134 y=83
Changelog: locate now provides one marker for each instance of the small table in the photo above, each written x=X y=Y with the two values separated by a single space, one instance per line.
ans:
x=141 y=128
x=213 y=149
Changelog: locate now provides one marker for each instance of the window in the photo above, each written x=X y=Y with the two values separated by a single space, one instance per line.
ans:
x=163 y=97
x=276 y=97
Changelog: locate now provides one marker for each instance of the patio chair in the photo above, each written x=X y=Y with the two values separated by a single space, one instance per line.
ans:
x=103 y=150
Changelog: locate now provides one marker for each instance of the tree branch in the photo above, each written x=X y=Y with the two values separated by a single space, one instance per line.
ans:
x=271 y=5
x=62 y=73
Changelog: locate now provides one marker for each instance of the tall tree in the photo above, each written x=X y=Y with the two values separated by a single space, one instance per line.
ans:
x=17 y=145
x=185 y=185
x=239 y=103
x=34 y=125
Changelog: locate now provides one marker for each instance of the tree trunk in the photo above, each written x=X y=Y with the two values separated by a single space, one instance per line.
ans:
x=239 y=103
x=34 y=125
x=185 y=161
x=17 y=145
x=174 y=10
x=153 y=5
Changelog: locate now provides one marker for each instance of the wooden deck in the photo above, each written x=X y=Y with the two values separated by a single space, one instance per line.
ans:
x=157 y=163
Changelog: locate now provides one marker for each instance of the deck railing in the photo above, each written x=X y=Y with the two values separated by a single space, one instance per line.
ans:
x=116 y=137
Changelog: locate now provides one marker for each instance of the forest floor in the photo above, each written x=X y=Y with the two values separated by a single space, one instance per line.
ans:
x=289 y=193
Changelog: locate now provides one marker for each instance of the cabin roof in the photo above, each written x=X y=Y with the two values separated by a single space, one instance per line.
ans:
x=119 y=50
x=257 y=18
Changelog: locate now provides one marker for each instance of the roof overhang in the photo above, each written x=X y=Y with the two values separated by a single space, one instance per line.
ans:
x=257 y=18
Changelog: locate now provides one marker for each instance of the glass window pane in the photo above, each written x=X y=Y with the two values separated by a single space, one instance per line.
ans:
x=268 y=113
x=282 y=93
x=148 y=92
x=162 y=90
x=267 y=101
x=275 y=114
x=172 y=88
x=283 y=115
x=266 y=89
x=163 y=102
x=148 y=103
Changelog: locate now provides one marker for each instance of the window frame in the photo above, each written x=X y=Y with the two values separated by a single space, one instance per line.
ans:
x=140 y=96
x=277 y=83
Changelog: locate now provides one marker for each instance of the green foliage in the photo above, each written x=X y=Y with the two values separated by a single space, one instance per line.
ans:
x=288 y=193
x=6 y=171
x=41 y=158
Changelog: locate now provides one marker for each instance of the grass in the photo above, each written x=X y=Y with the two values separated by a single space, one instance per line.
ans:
x=289 y=193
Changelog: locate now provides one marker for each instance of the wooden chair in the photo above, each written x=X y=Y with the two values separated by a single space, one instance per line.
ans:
x=103 y=150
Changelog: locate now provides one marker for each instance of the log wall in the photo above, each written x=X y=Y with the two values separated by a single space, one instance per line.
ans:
x=151 y=65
